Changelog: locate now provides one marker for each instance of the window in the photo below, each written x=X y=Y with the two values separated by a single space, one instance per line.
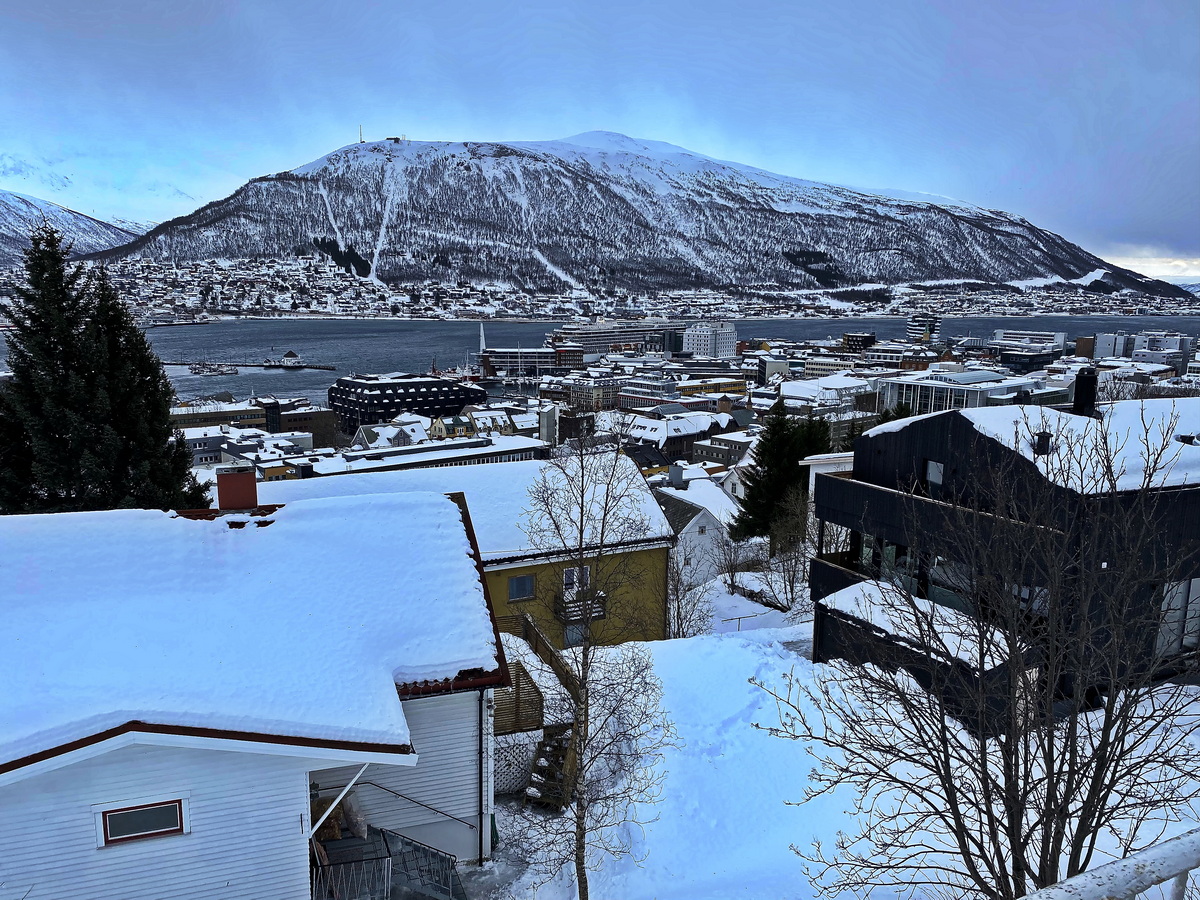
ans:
x=146 y=820
x=1180 y=628
x=520 y=587
x=575 y=578
x=703 y=529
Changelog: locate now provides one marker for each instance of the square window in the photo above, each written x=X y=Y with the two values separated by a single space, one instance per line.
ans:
x=703 y=529
x=146 y=820
x=520 y=587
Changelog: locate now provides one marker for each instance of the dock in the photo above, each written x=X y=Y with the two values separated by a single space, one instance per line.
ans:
x=251 y=365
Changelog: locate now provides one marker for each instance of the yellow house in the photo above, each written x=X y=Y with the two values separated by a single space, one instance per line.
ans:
x=622 y=590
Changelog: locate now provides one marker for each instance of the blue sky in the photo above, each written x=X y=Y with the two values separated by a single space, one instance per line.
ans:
x=1084 y=117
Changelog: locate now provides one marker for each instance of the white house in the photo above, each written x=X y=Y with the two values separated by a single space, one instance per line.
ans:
x=701 y=515
x=179 y=689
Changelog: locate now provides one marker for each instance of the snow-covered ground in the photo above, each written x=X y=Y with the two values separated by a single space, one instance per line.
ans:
x=733 y=612
x=724 y=828
x=726 y=821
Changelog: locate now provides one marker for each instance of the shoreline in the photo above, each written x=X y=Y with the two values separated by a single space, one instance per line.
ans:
x=782 y=318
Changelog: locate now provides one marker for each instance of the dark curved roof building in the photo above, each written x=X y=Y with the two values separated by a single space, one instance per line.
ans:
x=370 y=399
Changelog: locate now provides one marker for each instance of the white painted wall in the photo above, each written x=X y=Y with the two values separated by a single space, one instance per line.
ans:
x=698 y=546
x=445 y=735
x=248 y=828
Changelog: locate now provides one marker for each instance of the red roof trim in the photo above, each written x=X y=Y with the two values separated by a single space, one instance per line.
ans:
x=256 y=737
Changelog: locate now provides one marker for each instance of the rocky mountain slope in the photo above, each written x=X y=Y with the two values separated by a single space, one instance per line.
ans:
x=19 y=213
x=605 y=210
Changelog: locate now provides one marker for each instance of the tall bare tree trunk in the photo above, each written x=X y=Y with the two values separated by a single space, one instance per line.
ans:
x=581 y=876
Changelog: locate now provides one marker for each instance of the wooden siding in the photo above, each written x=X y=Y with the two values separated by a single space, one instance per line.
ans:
x=248 y=824
x=445 y=735
x=637 y=609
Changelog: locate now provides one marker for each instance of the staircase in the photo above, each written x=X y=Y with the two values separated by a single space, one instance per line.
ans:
x=548 y=781
x=419 y=870
x=386 y=865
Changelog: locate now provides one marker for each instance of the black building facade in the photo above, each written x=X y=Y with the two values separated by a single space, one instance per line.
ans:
x=927 y=498
x=371 y=399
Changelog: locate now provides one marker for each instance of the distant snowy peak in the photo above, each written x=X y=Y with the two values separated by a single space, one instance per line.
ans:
x=20 y=213
x=606 y=211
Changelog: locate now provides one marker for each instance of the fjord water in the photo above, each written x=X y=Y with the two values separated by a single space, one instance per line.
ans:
x=383 y=345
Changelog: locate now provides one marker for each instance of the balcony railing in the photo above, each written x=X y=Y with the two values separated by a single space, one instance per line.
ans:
x=1168 y=862
x=580 y=605
x=520 y=707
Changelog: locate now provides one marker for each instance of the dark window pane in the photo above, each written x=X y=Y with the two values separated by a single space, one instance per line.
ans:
x=520 y=587
x=147 y=820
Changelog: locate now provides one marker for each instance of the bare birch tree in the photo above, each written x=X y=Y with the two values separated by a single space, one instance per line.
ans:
x=689 y=609
x=588 y=509
x=1019 y=725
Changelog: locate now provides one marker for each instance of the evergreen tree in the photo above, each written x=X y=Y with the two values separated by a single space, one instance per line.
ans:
x=775 y=473
x=85 y=419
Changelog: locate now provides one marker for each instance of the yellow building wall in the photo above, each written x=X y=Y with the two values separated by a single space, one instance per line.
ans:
x=635 y=584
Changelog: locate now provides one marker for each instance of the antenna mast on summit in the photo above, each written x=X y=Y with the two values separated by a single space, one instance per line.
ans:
x=360 y=137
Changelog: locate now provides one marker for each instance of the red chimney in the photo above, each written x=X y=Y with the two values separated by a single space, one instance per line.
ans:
x=237 y=488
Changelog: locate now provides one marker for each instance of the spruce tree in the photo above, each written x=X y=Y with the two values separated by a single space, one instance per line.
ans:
x=85 y=418
x=775 y=473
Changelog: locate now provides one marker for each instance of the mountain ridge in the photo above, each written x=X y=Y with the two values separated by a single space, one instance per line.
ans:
x=604 y=210
x=21 y=212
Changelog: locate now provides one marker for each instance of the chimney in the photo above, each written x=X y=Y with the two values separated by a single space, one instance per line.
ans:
x=1084 y=402
x=237 y=488
x=1041 y=443
x=675 y=476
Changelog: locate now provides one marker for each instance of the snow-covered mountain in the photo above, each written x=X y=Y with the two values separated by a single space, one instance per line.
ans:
x=602 y=209
x=19 y=213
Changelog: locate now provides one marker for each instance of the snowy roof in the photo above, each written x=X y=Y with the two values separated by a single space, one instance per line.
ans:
x=920 y=622
x=424 y=454
x=139 y=615
x=659 y=431
x=497 y=498
x=1129 y=434
x=707 y=495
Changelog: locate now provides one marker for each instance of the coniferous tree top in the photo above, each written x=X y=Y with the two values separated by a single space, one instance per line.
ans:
x=85 y=419
x=775 y=472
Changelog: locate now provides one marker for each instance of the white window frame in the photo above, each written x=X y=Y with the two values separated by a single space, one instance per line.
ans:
x=183 y=798
x=574 y=585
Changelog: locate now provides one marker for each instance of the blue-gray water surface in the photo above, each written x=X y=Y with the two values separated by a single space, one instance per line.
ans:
x=374 y=345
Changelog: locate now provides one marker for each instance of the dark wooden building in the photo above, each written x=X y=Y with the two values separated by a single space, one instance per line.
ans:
x=936 y=506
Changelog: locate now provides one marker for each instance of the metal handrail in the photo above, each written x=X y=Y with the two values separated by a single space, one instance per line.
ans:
x=419 y=803
x=438 y=870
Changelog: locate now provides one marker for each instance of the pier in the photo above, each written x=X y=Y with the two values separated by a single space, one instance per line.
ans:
x=251 y=365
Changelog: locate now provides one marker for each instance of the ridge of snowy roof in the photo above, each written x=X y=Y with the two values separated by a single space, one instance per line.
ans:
x=497 y=497
x=1080 y=445
x=706 y=494
x=1127 y=433
x=139 y=615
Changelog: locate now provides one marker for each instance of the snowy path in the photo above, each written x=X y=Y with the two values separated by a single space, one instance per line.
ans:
x=724 y=828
